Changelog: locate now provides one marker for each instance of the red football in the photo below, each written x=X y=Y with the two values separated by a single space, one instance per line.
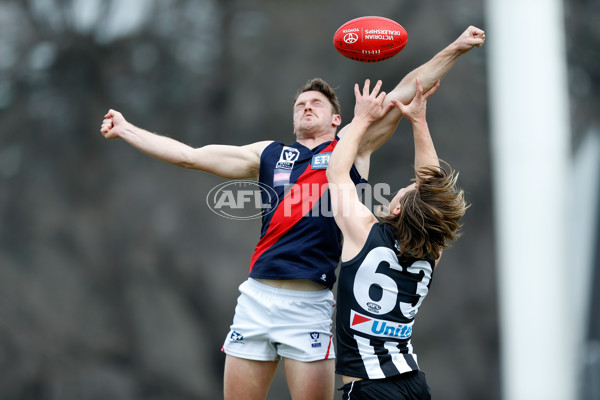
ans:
x=370 y=39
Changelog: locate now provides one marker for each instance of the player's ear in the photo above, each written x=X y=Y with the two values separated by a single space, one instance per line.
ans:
x=336 y=120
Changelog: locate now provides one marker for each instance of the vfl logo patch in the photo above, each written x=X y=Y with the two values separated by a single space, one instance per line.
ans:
x=315 y=339
x=379 y=327
x=320 y=161
x=288 y=157
x=236 y=336
x=373 y=307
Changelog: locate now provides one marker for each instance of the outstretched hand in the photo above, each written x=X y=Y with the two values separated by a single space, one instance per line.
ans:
x=470 y=38
x=369 y=106
x=112 y=125
x=415 y=111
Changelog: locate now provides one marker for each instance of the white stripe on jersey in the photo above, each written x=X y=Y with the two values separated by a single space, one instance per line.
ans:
x=351 y=389
x=410 y=348
x=398 y=358
x=370 y=359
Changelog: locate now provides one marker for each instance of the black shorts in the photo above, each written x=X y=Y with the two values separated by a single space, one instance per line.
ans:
x=408 y=386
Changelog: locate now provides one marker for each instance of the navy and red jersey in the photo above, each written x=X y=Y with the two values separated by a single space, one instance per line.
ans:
x=379 y=295
x=299 y=237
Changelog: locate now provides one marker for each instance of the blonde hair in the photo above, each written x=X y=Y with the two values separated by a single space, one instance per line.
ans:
x=429 y=217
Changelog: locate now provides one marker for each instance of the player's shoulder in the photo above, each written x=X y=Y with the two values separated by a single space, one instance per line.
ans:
x=259 y=147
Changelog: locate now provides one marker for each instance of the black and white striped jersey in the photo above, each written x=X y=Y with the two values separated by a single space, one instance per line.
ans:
x=377 y=301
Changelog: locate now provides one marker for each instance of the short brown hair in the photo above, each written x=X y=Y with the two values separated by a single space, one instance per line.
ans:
x=319 y=85
x=430 y=213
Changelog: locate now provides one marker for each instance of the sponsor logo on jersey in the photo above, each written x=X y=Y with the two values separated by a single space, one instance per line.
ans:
x=315 y=340
x=288 y=157
x=379 y=327
x=320 y=161
x=281 y=176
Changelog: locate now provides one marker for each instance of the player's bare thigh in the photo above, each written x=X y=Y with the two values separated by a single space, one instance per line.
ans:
x=310 y=380
x=247 y=379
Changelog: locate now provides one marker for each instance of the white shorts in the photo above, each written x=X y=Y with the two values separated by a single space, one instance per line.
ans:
x=270 y=323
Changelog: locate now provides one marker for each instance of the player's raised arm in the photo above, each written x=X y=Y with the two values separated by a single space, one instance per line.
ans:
x=415 y=112
x=232 y=162
x=351 y=216
x=428 y=73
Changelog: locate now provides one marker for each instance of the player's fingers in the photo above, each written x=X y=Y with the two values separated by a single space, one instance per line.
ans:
x=377 y=88
x=112 y=113
x=480 y=40
x=432 y=90
x=381 y=97
x=110 y=133
x=356 y=91
x=419 y=90
x=399 y=104
x=366 y=87
x=389 y=106
x=476 y=31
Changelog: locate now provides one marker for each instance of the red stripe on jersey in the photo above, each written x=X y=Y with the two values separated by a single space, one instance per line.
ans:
x=328 y=348
x=297 y=202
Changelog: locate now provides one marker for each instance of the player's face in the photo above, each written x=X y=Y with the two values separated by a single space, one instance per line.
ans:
x=313 y=113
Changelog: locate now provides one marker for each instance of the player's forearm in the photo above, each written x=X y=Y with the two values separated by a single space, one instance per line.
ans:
x=425 y=153
x=160 y=147
x=231 y=162
x=346 y=150
x=429 y=73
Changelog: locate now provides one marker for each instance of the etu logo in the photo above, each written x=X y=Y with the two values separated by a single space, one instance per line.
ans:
x=320 y=161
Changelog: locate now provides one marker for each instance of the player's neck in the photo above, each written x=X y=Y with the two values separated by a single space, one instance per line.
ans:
x=313 y=141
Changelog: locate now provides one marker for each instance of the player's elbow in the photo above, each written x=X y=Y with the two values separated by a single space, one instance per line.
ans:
x=335 y=173
x=330 y=173
x=187 y=159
